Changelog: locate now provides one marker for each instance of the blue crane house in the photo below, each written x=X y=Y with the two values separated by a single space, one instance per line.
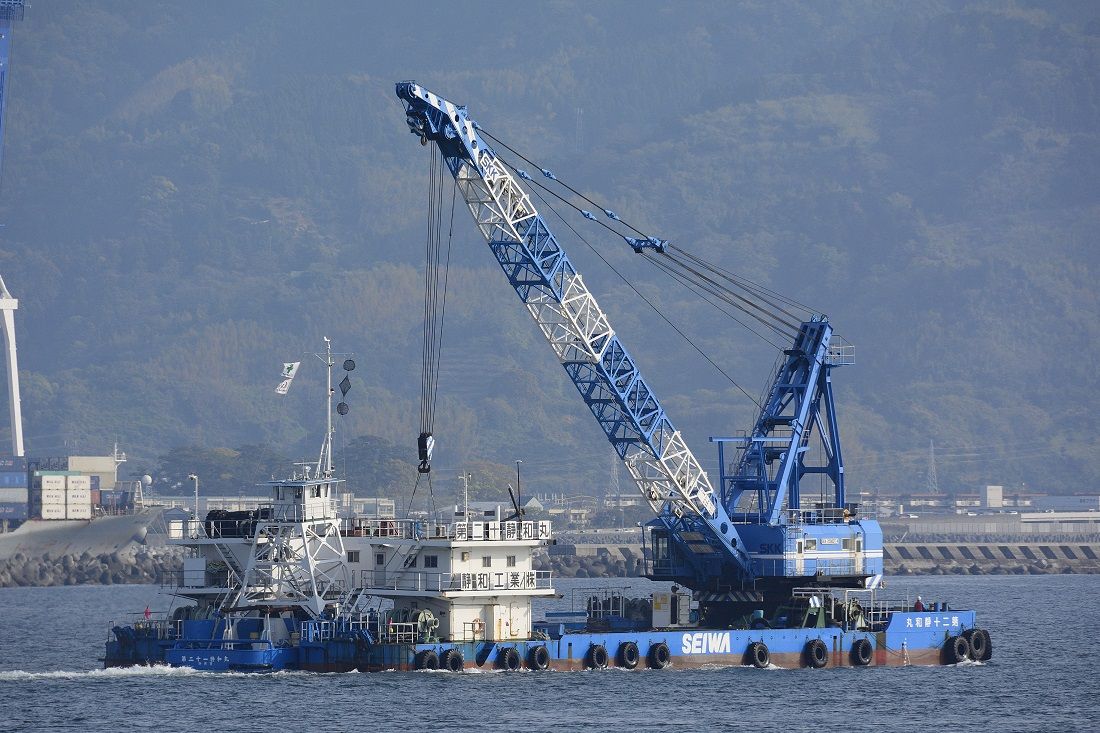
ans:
x=763 y=572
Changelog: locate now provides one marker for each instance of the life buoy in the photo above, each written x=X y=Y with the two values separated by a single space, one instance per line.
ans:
x=977 y=639
x=478 y=626
x=758 y=654
x=426 y=659
x=628 y=655
x=452 y=660
x=508 y=659
x=659 y=656
x=596 y=658
x=955 y=650
x=817 y=654
x=862 y=652
x=538 y=658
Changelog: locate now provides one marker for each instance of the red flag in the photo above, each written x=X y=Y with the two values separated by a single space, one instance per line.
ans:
x=148 y=613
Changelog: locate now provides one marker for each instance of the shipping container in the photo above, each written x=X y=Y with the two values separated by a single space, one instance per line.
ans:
x=95 y=482
x=52 y=511
x=96 y=497
x=11 y=496
x=79 y=483
x=52 y=481
x=80 y=512
x=16 y=463
x=13 y=510
x=51 y=496
x=13 y=479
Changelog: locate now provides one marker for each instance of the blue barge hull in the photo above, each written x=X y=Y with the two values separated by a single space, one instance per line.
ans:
x=909 y=638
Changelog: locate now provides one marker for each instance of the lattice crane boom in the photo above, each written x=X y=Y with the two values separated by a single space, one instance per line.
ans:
x=654 y=452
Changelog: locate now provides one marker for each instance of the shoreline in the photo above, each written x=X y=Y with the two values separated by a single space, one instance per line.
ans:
x=143 y=565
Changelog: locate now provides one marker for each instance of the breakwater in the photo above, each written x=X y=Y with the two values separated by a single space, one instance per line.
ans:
x=147 y=564
x=986 y=557
x=137 y=564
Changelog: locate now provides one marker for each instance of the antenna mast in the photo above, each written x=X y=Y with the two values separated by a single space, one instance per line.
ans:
x=324 y=462
x=932 y=483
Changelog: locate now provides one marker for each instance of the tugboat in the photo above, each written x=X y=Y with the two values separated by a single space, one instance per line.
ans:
x=292 y=586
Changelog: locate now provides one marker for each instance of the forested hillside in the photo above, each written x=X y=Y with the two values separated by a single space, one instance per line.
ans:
x=194 y=193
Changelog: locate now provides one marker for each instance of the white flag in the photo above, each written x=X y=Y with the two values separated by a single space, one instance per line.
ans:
x=289 y=370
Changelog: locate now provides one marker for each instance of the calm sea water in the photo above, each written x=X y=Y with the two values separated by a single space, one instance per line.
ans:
x=1043 y=677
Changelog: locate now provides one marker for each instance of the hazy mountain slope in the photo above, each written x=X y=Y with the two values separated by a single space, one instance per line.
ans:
x=191 y=197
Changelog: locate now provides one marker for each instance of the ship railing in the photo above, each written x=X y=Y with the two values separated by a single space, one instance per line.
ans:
x=819 y=515
x=314 y=631
x=472 y=631
x=867 y=603
x=220 y=580
x=166 y=629
x=418 y=529
x=186 y=529
x=407 y=529
x=308 y=511
x=408 y=580
x=325 y=629
x=598 y=602
x=841 y=352
x=400 y=633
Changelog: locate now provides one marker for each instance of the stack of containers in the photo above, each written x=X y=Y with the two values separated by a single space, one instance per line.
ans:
x=78 y=497
x=13 y=488
x=51 y=496
x=97 y=498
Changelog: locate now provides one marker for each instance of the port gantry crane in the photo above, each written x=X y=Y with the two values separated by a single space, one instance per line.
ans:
x=749 y=541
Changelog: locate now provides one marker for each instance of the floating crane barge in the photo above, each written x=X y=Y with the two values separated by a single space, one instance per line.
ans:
x=757 y=574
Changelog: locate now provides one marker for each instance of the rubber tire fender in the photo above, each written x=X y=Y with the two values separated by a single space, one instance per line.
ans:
x=955 y=650
x=976 y=638
x=596 y=658
x=758 y=654
x=816 y=654
x=659 y=656
x=538 y=658
x=426 y=659
x=988 y=654
x=861 y=653
x=628 y=655
x=508 y=659
x=452 y=661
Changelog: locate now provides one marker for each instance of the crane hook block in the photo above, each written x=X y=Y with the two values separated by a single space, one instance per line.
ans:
x=425 y=446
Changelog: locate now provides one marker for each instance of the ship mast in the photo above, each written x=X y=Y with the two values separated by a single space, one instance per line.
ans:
x=324 y=461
